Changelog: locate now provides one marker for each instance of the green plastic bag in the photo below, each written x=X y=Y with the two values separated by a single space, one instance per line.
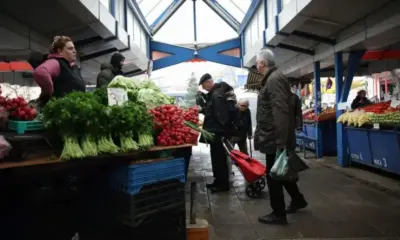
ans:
x=281 y=169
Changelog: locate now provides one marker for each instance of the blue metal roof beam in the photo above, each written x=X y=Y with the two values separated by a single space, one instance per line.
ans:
x=166 y=15
x=222 y=13
x=249 y=15
x=139 y=15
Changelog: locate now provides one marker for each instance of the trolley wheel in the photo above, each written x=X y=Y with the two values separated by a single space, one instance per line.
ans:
x=261 y=183
x=253 y=191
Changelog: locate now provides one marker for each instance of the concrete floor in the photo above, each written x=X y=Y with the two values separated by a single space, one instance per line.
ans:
x=340 y=206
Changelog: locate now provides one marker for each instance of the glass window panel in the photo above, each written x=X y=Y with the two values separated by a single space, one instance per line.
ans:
x=106 y=3
x=271 y=11
x=136 y=32
x=261 y=20
x=130 y=27
x=119 y=12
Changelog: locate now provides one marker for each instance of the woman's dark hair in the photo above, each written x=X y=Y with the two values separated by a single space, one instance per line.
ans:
x=59 y=42
x=360 y=92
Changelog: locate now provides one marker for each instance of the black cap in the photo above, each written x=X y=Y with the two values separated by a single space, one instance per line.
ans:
x=204 y=78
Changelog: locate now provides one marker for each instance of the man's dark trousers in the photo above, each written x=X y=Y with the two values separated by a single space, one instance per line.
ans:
x=275 y=188
x=219 y=163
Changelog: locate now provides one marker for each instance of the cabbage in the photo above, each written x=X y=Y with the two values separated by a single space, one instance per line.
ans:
x=149 y=85
x=152 y=98
x=123 y=82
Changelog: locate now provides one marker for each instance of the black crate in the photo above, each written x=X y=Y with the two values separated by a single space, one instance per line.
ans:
x=152 y=203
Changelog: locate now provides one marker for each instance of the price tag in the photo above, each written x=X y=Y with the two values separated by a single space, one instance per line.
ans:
x=342 y=106
x=394 y=103
x=116 y=96
x=376 y=125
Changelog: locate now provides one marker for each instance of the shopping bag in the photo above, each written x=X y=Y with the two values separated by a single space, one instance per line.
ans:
x=281 y=169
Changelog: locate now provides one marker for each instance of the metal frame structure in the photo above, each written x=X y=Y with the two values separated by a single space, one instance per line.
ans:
x=175 y=54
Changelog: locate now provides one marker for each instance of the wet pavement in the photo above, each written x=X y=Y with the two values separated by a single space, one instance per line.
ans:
x=339 y=207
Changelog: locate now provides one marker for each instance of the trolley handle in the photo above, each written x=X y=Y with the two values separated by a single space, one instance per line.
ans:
x=227 y=145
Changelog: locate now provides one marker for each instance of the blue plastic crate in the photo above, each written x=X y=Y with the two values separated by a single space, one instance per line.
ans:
x=130 y=179
x=385 y=149
x=359 y=145
x=23 y=126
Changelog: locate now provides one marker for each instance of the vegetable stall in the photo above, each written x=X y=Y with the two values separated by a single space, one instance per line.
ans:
x=129 y=126
x=373 y=135
x=326 y=120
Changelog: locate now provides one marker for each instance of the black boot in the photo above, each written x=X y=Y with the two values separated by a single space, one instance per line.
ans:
x=296 y=205
x=219 y=188
x=273 y=219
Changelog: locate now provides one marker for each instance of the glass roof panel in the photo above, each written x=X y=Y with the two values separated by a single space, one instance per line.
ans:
x=210 y=27
x=237 y=8
x=152 y=9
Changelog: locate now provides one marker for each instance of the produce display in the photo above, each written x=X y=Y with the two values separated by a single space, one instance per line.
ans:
x=90 y=127
x=192 y=115
x=326 y=114
x=169 y=121
x=380 y=113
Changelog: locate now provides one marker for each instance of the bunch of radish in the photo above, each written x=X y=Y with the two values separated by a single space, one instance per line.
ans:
x=169 y=119
x=191 y=115
x=18 y=108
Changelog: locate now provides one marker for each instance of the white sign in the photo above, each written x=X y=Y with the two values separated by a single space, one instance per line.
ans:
x=376 y=125
x=342 y=106
x=394 y=103
x=116 y=96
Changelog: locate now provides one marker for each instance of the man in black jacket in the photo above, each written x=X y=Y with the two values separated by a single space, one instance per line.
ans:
x=217 y=121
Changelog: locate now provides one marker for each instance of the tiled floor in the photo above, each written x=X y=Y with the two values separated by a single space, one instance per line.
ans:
x=339 y=207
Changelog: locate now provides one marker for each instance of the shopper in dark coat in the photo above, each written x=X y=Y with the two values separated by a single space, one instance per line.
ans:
x=110 y=70
x=245 y=128
x=217 y=120
x=298 y=113
x=275 y=130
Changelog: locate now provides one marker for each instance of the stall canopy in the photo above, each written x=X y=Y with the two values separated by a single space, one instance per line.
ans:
x=15 y=67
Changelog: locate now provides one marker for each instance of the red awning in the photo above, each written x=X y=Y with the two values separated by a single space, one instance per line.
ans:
x=196 y=60
x=381 y=55
x=21 y=67
x=5 y=67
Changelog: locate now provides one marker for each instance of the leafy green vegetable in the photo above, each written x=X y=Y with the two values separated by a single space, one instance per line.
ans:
x=123 y=82
x=148 y=84
x=152 y=98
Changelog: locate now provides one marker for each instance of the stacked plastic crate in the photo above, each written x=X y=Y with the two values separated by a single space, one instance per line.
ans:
x=150 y=193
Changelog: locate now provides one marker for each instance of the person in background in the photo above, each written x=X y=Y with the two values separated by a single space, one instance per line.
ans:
x=217 y=121
x=58 y=75
x=245 y=128
x=298 y=113
x=361 y=100
x=110 y=70
x=275 y=130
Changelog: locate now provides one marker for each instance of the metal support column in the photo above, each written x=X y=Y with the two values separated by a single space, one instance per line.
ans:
x=317 y=108
x=342 y=154
x=194 y=21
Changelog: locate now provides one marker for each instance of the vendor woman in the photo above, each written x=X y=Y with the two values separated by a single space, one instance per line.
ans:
x=58 y=75
x=361 y=100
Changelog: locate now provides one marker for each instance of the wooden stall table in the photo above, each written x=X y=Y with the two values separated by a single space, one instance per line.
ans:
x=18 y=178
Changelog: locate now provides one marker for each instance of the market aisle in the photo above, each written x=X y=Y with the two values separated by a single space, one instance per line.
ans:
x=340 y=207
